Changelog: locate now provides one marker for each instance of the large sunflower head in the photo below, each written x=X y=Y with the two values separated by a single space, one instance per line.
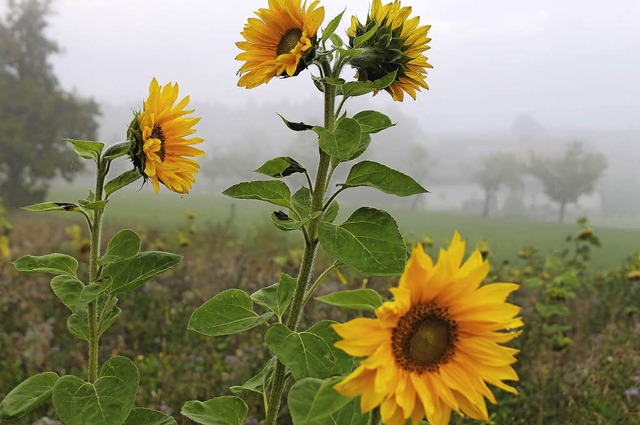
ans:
x=434 y=347
x=161 y=149
x=281 y=42
x=397 y=45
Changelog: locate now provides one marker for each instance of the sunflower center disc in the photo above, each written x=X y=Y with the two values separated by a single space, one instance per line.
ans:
x=157 y=133
x=430 y=342
x=289 y=41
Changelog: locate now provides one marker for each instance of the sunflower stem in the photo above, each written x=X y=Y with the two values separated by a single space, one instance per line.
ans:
x=306 y=267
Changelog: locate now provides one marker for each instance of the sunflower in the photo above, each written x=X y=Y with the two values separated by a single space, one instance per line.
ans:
x=397 y=45
x=280 y=42
x=436 y=346
x=160 y=146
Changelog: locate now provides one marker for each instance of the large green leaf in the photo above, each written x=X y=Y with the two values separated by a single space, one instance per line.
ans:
x=133 y=272
x=227 y=313
x=217 y=411
x=124 y=244
x=28 y=395
x=383 y=178
x=368 y=241
x=87 y=149
x=121 y=181
x=142 y=416
x=75 y=294
x=308 y=353
x=372 y=121
x=57 y=264
x=277 y=296
x=259 y=382
x=273 y=191
x=359 y=299
x=108 y=401
x=343 y=142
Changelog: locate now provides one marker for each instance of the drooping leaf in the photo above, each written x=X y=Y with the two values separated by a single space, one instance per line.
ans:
x=227 y=313
x=142 y=416
x=282 y=166
x=121 y=181
x=75 y=294
x=383 y=178
x=57 y=264
x=359 y=299
x=87 y=149
x=273 y=191
x=108 y=401
x=277 y=296
x=308 y=353
x=28 y=395
x=295 y=126
x=131 y=273
x=259 y=382
x=124 y=244
x=217 y=411
x=372 y=121
x=368 y=241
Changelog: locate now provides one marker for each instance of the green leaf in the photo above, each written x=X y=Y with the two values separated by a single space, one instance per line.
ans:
x=373 y=121
x=117 y=150
x=337 y=41
x=133 y=272
x=313 y=401
x=106 y=402
x=331 y=27
x=121 y=181
x=53 y=206
x=273 y=191
x=92 y=206
x=57 y=264
x=124 y=244
x=331 y=213
x=383 y=178
x=368 y=241
x=217 y=411
x=87 y=149
x=227 y=313
x=301 y=202
x=286 y=223
x=282 y=166
x=28 y=395
x=142 y=416
x=75 y=294
x=77 y=323
x=359 y=299
x=309 y=353
x=360 y=40
x=343 y=142
x=277 y=296
x=296 y=126
x=259 y=382
x=358 y=88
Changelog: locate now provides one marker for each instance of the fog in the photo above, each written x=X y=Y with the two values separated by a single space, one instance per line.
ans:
x=521 y=77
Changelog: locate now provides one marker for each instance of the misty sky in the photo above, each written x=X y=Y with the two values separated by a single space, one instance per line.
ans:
x=567 y=64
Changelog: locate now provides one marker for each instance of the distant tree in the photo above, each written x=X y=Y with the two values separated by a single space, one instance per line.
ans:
x=566 y=178
x=496 y=170
x=35 y=113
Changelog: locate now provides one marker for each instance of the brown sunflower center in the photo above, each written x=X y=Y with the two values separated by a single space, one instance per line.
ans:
x=289 y=41
x=157 y=133
x=424 y=338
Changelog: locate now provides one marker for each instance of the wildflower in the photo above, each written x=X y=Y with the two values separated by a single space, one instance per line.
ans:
x=159 y=137
x=397 y=45
x=585 y=234
x=280 y=43
x=5 y=251
x=433 y=349
x=633 y=275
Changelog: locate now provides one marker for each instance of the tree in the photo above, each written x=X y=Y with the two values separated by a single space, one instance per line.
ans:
x=566 y=178
x=35 y=113
x=498 y=169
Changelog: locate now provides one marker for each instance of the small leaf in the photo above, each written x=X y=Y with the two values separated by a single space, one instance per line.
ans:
x=273 y=191
x=359 y=299
x=281 y=167
x=57 y=264
x=337 y=41
x=227 y=313
x=331 y=213
x=313 y=401
x=87 y=149
x=259 y=382
x=359 y=88
x=373 y=121
x=360 y=40
x=217 y=411
x=383 y=178
x=368 y=241
x=106 y=402
x=76 y=295
x=331 y=27
x=309 y=353
x=296 y=126
x=277 y=296
x=28 y=395
x=124 y=244
x=117 y=150
x=142 y=416
x=133 y=272
x=53 y=206
x=286 y=223
x=121 y=181
x=343 y=142
x=77 y=323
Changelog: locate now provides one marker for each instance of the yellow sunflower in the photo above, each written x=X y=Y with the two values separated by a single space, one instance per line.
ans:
x=160 y=144
x=436 y=346
x=280 y=42
x=397 y=45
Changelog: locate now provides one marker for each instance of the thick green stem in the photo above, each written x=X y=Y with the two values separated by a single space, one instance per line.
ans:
x=306 y=267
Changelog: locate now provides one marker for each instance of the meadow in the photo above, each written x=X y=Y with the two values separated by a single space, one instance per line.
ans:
x=580 y=295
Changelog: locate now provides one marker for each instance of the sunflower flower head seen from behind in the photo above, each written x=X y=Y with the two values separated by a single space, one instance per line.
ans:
x=396 y=44
x=161 y=150
x=436 y=346
x=281 y=41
